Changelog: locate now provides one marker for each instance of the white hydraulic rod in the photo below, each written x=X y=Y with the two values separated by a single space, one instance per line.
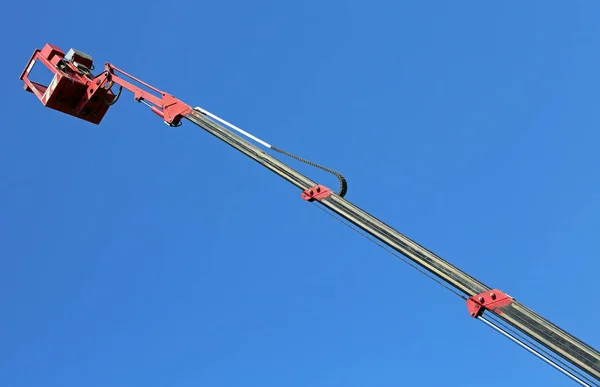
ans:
x=232 y=126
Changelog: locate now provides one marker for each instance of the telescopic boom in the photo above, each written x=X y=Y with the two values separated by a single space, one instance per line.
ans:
x=74 y=90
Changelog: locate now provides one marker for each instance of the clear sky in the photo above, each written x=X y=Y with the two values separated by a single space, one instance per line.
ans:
x=134 y=254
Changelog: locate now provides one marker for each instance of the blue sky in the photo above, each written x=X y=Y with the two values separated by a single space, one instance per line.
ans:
x=133 y=254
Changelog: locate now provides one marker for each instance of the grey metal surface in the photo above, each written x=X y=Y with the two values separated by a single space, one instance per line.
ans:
x=552 y=337
x=547 y=334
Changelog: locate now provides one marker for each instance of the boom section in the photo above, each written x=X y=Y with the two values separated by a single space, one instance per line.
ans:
x=550 y=336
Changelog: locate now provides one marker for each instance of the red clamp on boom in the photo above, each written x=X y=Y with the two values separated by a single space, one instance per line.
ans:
x=317 y=192
x=490 y=300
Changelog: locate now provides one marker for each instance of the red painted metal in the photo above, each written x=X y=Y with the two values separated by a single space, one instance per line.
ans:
x=491 y=300
x=71 y=90
x=166 y=106
x=74 y=90
x=317 y=192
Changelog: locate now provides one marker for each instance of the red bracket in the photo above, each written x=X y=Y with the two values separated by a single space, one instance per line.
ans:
x=490 y=300
x=317 y=192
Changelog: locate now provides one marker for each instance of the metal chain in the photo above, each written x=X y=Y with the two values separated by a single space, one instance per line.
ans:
x=340 y=177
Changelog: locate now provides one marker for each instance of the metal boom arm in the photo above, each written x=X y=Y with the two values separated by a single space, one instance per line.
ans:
x=480 y=296
x=75 y=91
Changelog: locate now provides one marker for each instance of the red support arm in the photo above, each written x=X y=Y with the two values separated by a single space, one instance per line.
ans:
x=169 y=108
